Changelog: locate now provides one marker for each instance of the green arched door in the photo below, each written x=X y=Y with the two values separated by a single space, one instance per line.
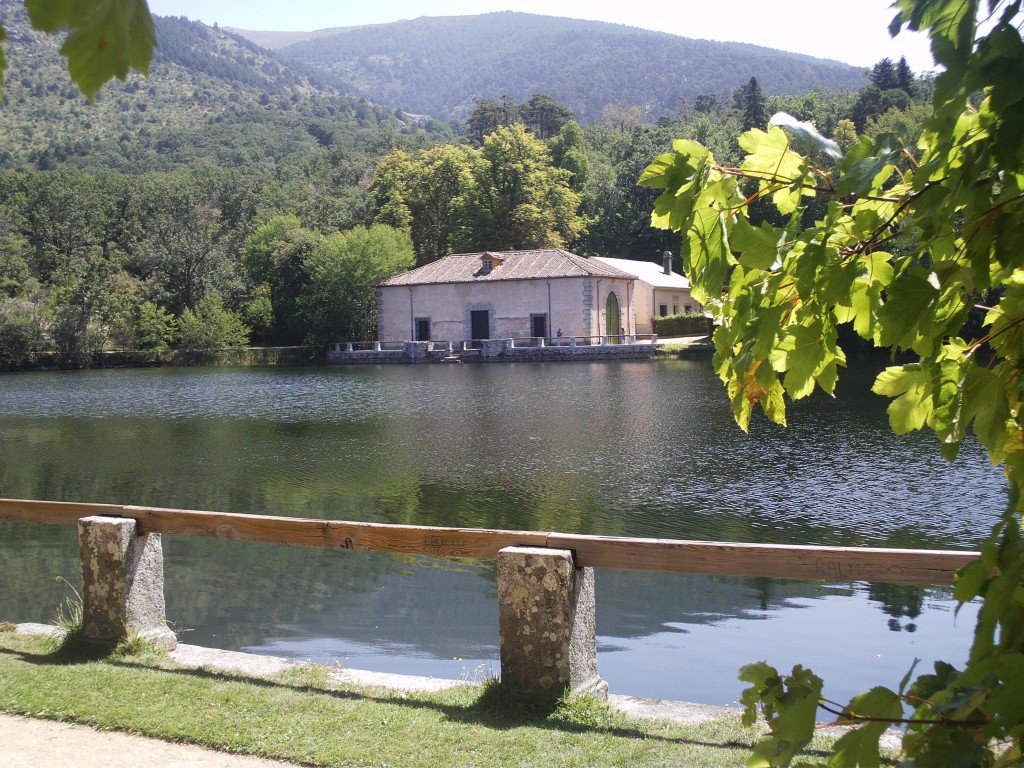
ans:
x=611 y=317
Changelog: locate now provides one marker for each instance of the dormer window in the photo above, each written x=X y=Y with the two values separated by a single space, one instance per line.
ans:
x=489 y=262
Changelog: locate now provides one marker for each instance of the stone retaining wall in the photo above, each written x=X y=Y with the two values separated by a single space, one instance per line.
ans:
x=491 y=351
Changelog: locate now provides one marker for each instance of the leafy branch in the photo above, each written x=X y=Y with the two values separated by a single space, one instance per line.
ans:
x=781 y=289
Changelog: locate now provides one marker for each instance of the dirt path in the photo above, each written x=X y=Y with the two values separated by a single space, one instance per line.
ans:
x=29 y=743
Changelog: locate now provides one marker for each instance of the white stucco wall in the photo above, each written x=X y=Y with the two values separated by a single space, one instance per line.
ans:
x=576 y=305
x=648 y=298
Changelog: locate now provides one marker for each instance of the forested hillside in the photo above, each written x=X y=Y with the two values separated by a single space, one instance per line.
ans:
x=438 y=66
x=212 y=97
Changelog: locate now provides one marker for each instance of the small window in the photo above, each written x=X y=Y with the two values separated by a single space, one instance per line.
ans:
x=689 y=308
x=663 y=310
x=488 y=265
x=675 y=309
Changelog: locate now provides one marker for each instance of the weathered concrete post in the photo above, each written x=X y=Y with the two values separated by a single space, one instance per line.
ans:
x=122 y=581
x=546 y=624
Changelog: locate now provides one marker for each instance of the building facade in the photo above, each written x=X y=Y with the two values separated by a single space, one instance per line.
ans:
x=659 y=292
x=511 y=294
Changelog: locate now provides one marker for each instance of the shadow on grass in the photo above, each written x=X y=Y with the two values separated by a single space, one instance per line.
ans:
x=493 y=708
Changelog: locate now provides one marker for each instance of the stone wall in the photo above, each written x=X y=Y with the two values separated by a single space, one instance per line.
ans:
x=491 y=351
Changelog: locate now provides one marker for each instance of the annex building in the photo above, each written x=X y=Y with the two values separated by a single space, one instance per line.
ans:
x=659 y=292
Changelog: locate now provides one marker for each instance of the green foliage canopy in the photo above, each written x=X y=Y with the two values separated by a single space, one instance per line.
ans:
x=211 y=326
x=506 y=195
x=342 y=271
x=910 y=249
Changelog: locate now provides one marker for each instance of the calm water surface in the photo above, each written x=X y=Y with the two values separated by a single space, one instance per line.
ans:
x=634 y=449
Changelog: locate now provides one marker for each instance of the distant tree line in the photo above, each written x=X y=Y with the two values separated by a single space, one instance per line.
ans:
x=92 y=262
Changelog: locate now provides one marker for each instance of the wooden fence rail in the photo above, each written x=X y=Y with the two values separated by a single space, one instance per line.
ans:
x=901 y=566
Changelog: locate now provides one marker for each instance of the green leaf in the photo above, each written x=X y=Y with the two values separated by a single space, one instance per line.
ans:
x=106 y=38
x=911 y=385
x=858 y=748
x=986 y=404
x=1006 y=699
x=759 y=247
x=763 y=679
x=707 y=254
x=789 y=705
x=865 y=166
x=683 y=177
x=662 y=173
x=804 y=355
x=907 y=312
x=769 y=155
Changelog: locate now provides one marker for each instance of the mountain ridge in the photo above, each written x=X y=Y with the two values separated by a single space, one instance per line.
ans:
x=439 y=65
x=211 y=98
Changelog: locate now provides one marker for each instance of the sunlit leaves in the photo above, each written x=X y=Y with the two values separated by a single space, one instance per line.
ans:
x=759 y=246
x=921 y=251
x=781 y=170
x=911 y=387
x=859 y=746
x=787 y=703
x=809 y=356
x=911 y=299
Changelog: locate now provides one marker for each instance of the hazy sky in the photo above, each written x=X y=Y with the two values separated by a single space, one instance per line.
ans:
x=853 y=31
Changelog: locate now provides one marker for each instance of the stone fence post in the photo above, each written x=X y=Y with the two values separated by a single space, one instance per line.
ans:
x=546 y=624
x=122 y=582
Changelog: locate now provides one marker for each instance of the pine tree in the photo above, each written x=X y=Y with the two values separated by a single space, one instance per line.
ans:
x=752 y=103
x=883 y=75
x=905 y=78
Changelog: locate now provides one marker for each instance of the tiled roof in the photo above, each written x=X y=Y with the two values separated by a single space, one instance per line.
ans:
x=651 y=273
x=516 y=265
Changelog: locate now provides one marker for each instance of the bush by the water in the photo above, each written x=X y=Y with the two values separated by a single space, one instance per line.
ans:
x=688 y=324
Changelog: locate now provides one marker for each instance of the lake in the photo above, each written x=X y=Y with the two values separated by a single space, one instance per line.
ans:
x=627 y=449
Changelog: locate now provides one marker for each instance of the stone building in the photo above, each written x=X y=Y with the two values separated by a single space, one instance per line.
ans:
x=658 y=290
x=512 y=294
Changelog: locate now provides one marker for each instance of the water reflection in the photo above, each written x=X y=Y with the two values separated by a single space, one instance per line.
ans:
x=640 y=449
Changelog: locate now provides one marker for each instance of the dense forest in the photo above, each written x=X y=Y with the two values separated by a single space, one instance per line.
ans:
x=438 y=66
x=233 y=199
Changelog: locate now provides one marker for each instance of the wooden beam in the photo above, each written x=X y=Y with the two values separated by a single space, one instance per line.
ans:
x=906 y=566
x=335 y=534
x=901 y=566
x=52 y=512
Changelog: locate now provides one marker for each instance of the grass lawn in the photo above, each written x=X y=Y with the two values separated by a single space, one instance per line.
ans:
x=300 y=717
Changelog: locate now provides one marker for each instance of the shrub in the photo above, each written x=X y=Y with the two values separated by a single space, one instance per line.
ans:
x=682 y=325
